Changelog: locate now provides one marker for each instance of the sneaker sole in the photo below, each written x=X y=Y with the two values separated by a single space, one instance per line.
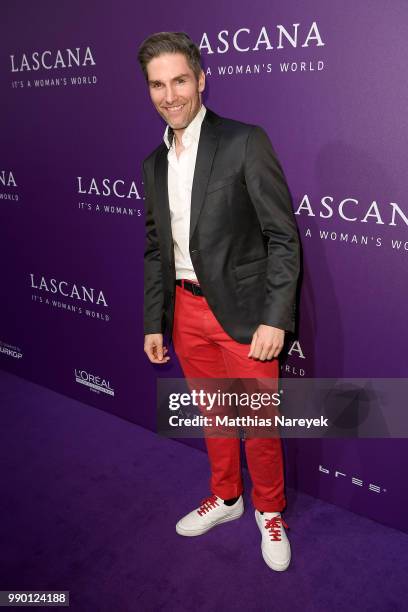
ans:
x=275 y=566
x=187 y=533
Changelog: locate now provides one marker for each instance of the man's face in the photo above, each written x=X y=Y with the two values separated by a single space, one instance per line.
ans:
x=174 y=89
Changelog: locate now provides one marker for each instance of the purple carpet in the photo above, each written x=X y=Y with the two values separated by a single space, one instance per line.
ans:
x=89 y=503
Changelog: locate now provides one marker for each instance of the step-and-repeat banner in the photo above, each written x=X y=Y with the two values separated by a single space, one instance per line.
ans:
x=327 y=81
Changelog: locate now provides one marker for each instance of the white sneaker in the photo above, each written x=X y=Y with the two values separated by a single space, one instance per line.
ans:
x=275 y=544
x=211 y=512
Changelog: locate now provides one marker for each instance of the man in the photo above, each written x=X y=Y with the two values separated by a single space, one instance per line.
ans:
x=221 y=269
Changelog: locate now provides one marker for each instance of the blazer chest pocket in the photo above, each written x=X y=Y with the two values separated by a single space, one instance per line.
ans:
x=225 y=180
x=251 y=268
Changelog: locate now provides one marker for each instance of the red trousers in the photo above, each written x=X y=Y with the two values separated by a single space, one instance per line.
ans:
x=205 y=350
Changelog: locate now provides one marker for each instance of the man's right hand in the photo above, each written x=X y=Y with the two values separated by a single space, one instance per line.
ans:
x=154 y=349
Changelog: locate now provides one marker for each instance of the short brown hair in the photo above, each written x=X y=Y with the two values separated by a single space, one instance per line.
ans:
x=169 y=42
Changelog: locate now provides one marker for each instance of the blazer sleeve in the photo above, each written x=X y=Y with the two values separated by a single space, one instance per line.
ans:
x=153 y=286
x=271 y=198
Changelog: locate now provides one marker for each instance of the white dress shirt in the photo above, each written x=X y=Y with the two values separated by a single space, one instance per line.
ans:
x=180 y=181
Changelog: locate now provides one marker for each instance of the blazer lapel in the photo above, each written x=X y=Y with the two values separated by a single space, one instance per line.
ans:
x=207 y=146
x=162 y=196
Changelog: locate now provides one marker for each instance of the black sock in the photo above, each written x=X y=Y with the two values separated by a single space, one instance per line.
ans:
x=231 y=502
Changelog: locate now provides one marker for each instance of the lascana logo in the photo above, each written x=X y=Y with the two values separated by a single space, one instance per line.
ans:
x=69 y=290
x=295 y=350
x=117 y=196
x=108 y=187
x=7 y=179
x=8 y=186
x=245 y=40
x=352 y=210
x=95 y=383
x=49 y=60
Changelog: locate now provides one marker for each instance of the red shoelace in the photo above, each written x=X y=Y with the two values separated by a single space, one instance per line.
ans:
x=207 y=504
x=274 y=525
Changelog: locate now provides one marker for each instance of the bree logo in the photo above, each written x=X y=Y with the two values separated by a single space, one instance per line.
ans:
x=355 y=481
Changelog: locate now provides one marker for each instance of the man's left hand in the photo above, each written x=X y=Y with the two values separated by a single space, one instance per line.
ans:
x=267 y=342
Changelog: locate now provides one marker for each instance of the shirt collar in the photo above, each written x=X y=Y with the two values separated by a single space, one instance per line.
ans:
x=192 y=131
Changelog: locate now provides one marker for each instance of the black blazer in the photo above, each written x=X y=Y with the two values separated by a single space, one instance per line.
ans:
x=244 y=244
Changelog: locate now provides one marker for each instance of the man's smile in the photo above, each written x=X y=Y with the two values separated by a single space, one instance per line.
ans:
x=173 y=110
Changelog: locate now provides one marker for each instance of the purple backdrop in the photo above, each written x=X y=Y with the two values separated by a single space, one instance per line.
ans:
x=326 y=81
